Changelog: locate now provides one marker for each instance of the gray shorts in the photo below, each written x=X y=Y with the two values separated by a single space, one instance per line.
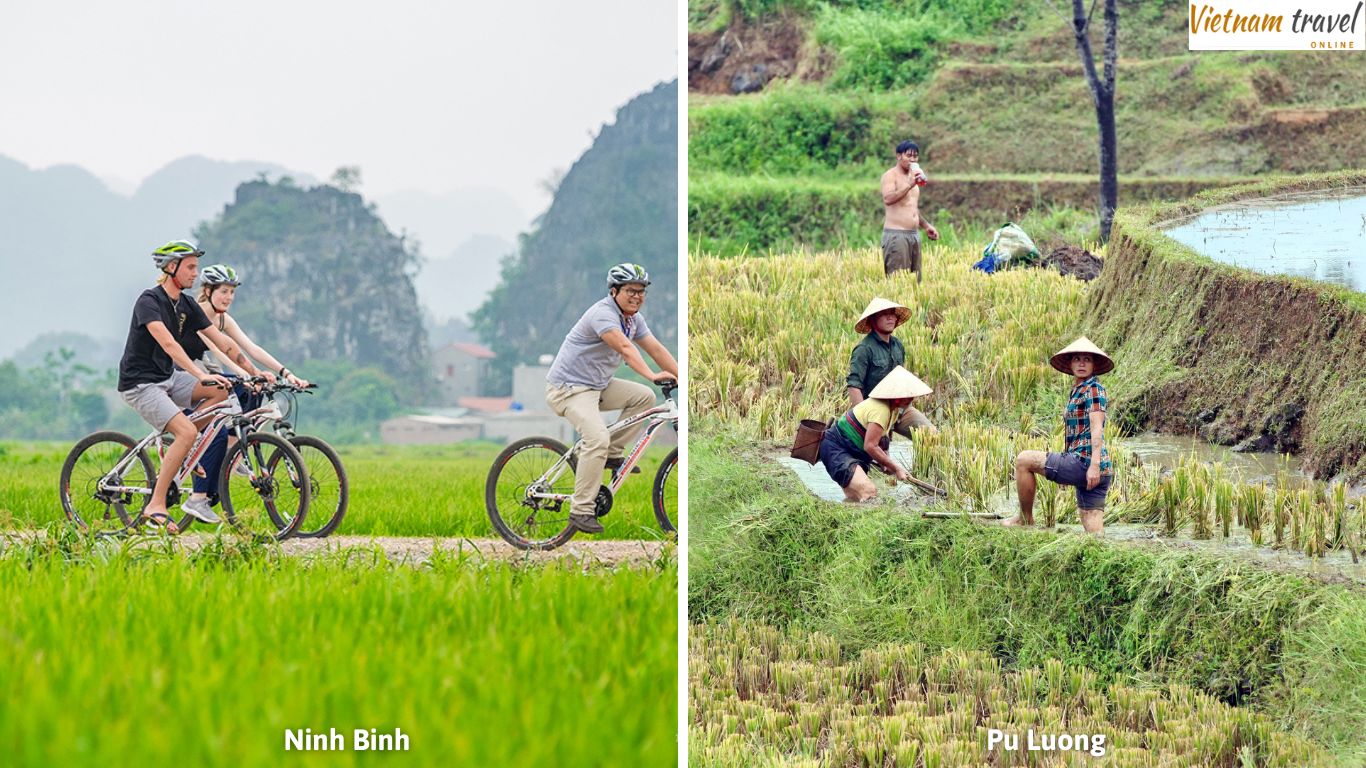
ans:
x=900 y=250
x=158 y=403
x=1070 y=469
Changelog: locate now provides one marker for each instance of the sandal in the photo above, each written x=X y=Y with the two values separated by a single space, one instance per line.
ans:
x=164 y=520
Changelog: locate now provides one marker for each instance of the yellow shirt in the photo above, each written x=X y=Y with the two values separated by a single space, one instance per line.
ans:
x=871 y=411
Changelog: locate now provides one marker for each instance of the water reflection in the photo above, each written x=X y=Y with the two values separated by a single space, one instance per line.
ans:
x=1318 y=235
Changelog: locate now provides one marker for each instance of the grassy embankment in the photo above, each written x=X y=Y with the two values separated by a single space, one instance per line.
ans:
x=119 y=655
x=1229 y=353
x=797 y=165
x=395 y=490
x=1286 y=646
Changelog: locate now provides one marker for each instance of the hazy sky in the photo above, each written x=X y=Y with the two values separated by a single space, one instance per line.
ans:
x=421 y=95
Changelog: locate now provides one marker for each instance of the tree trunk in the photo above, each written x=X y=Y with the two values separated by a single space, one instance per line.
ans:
x=1103 y=97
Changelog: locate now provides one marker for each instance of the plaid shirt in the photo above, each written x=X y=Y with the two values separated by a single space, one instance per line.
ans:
x=1087 y=397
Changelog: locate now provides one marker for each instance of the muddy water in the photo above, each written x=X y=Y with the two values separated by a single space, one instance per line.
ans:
x=1318 y=235
x=814 y=477
x=1167 y=450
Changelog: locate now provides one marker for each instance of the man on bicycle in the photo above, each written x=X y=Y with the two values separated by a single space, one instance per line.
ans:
x=164 y=317
x=579 y=385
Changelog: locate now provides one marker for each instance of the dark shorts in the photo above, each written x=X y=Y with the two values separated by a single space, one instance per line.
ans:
x=1070 y=469
x=841 y=456
x=900 y=250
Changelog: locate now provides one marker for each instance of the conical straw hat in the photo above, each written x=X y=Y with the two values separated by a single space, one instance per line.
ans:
x=1062 y=361
x=898 y=384
x=877 y=305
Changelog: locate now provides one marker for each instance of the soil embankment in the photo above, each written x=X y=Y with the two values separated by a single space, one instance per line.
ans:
x=1236 y=357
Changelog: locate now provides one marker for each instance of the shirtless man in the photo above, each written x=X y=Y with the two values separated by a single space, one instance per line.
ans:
x=902 y=220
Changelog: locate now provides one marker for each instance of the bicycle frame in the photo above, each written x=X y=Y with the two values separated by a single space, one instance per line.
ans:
x=227 y=413
x=658 y=416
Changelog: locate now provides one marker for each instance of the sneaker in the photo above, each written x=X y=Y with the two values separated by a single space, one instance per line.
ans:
x=240 y=469
x=200 y=510
x=585 y=523
x=615 y=463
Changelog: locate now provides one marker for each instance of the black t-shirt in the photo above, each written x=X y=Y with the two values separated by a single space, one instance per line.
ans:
x=144 y=361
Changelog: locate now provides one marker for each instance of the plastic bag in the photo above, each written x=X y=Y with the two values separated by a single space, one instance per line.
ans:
x=1011 y=245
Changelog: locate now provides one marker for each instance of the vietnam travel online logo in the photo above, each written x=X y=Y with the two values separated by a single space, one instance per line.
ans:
x=1268 y=25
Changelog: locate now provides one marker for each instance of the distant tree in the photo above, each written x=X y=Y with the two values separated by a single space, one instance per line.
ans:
x=1103 y=97
x=346 y=178
x=90 y=410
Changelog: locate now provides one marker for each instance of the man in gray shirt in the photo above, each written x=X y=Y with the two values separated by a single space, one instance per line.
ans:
x=580 y=385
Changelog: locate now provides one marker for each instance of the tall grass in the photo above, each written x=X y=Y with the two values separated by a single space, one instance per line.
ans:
x=119 y=656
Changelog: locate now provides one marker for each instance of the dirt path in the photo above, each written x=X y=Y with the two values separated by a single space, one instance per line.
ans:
x=415 y=550
x=418 y=549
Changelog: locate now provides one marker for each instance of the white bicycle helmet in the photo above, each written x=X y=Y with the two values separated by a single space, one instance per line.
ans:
x=622 y=274
x=220 y=274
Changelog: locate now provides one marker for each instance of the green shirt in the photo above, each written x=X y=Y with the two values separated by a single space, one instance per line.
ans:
x=872 y=360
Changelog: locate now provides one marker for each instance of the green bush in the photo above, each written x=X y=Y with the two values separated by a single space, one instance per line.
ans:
x=796 y=130
x=878 y=50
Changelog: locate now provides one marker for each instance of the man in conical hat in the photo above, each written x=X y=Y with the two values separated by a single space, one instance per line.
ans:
x=877 y=354
x=859 y=437
x=1084 y=462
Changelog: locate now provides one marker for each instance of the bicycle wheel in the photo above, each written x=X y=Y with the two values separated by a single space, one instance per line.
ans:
x=665 y=495
x=525 y=522
x=329 y=490
x=83 y=499
x=273 y=501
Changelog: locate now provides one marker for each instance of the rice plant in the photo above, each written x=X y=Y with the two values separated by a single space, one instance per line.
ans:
x=769 y=344
x=901 y=705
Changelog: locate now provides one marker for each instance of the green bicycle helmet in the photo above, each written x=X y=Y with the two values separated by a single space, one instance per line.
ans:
x=220 y=274
x=622 y=274
x=174 y=251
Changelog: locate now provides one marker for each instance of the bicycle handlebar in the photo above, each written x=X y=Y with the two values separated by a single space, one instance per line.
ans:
x=667 y=386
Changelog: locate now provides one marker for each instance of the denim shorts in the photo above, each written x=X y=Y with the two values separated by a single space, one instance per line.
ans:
x=1070 y=469
x=841 y=456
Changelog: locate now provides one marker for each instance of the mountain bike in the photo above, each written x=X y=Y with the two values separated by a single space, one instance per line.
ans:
x=329 y=486
x=531 y=484
x=110 y=472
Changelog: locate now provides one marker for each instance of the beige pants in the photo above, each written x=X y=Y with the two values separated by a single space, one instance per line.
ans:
x=910 y=420
x=583 y=408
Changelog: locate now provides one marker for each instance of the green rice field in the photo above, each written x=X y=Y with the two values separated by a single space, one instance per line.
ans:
x=121 y=654
x=395 y=490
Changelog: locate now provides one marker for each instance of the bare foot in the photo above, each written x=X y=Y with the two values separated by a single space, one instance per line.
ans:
x=1015 y=522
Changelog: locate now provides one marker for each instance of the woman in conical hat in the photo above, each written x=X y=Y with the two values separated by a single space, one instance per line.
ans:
x=859 y=437
x=1084 y=462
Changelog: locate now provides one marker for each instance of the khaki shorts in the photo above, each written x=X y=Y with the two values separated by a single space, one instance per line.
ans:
x=900 y=250
x=158 y=403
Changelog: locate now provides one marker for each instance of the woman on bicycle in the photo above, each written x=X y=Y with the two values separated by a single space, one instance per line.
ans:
x=217 y=289
x=860 y=436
